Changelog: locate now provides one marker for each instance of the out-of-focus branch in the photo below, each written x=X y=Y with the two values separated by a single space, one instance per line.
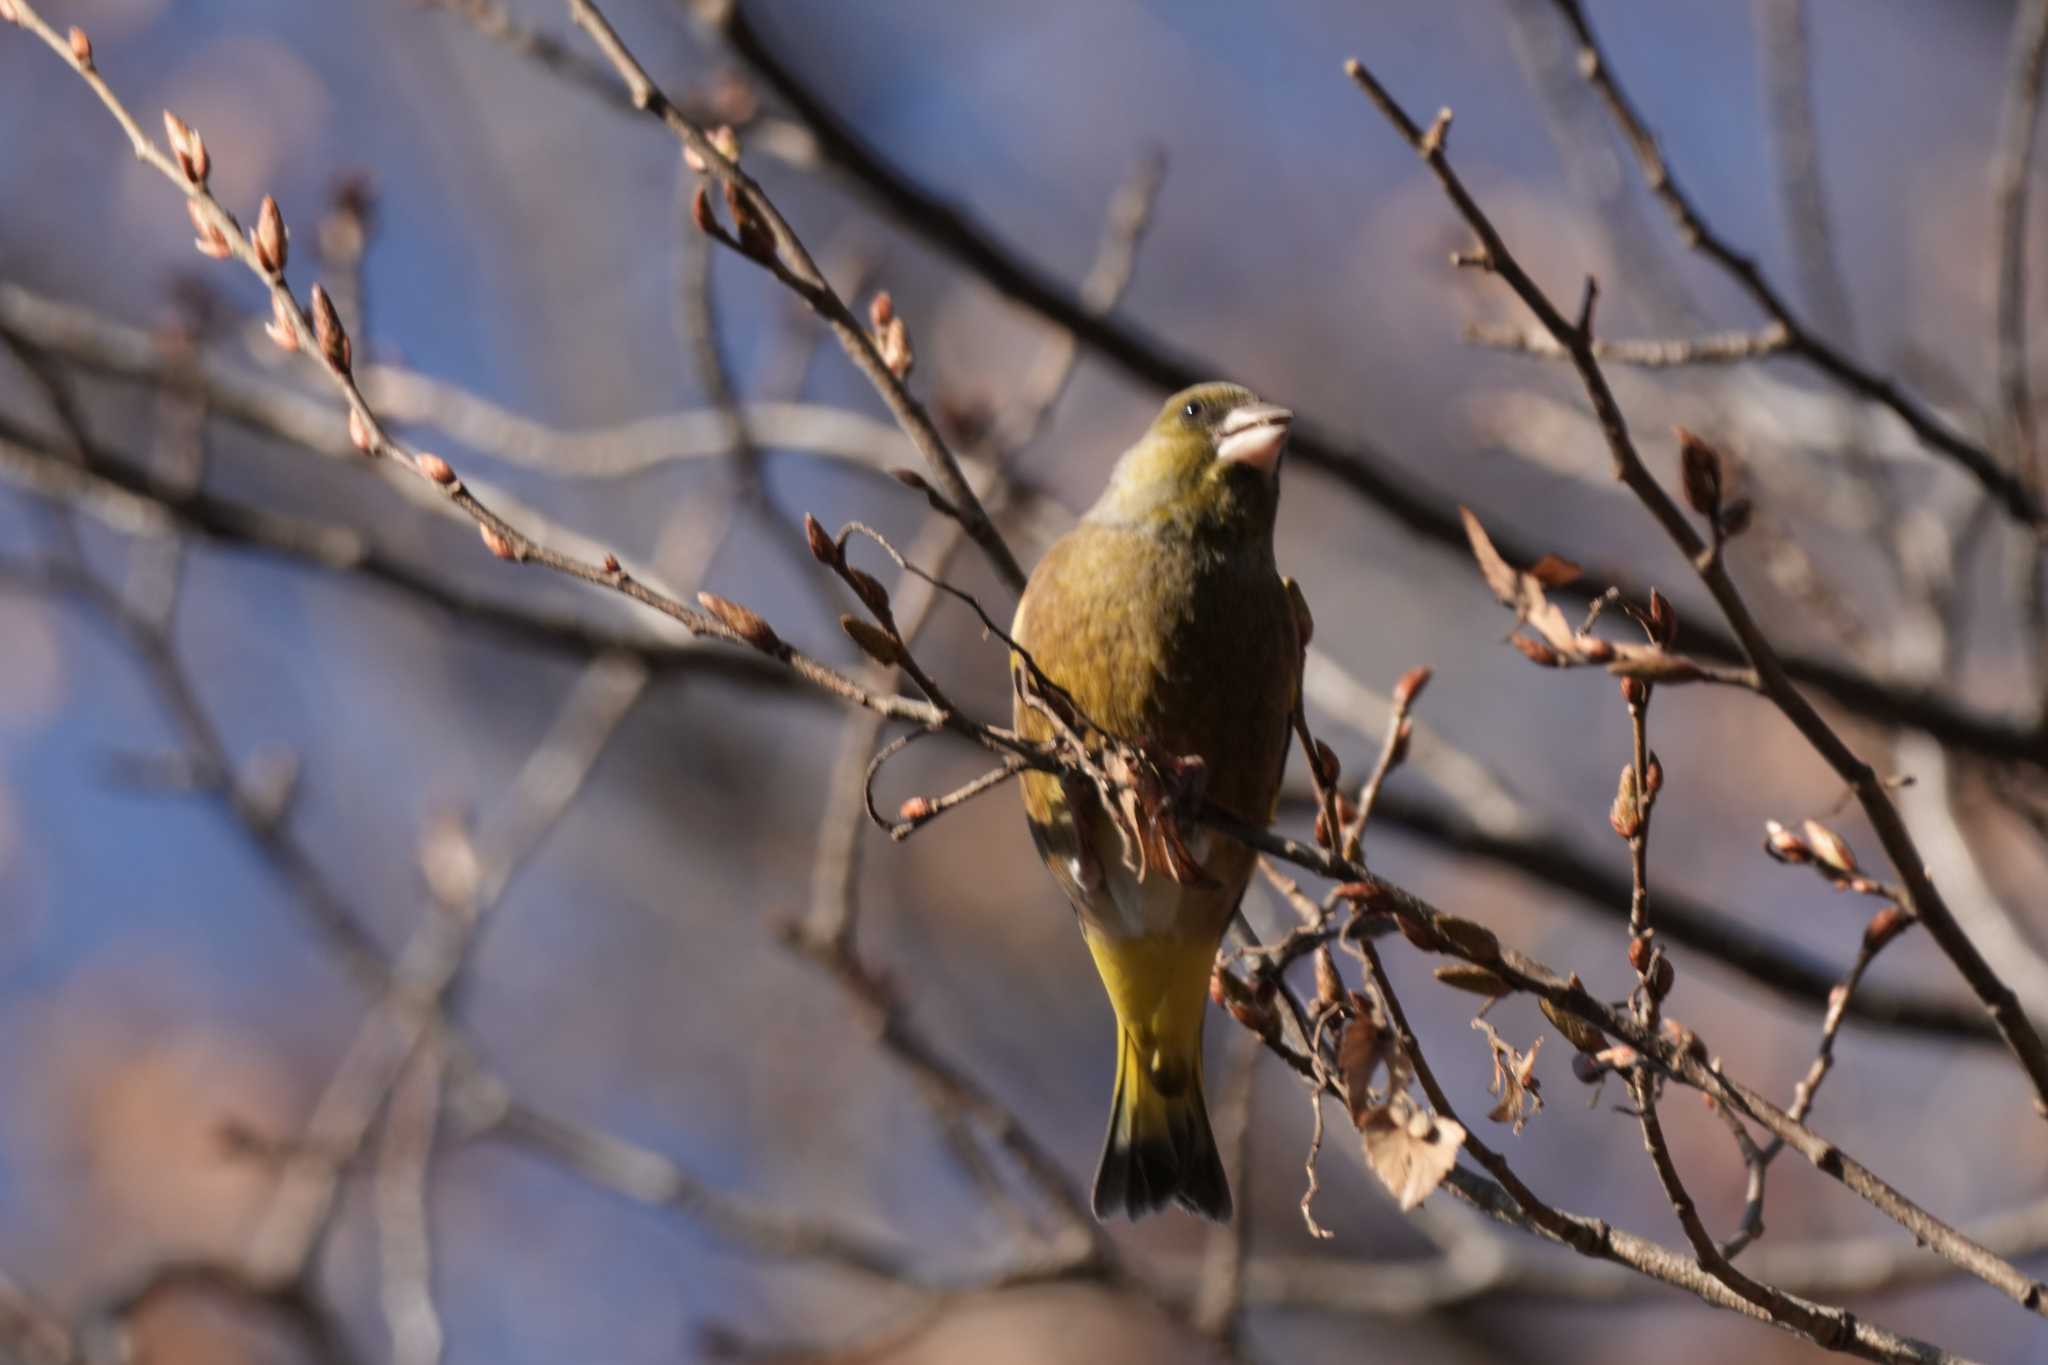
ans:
x=1507 y=1196
x=2012 y=493
x=784 y=255
x=467 y=879
x=1922 y=897
x=1784 y=53
x=1719 y=348
x=2011 y=166
x=1848 y=1268
x=272 y=407
x=1484 y=822
x=650 y=1178
x=404 y=1245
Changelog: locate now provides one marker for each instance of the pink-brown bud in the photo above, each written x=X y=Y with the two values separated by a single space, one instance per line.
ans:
x=280 y=330
x=701 y=212
x=1536 y=652
x=209 y=241
x=359 y=434
x=1593 y=649
x=269 y=236
x=1886 y=925
x=1640 y=951
x=914 y=809
x=436 y=470
x=1626 y=813
x=497 y=543
x=1410 y=686
x=188 y=148
x=1663 y=976
x=611 y=565
x=881 y=310
x=824 y=549
x=1663 y=618
x=1328 y=770
x=872 y=594
x=1785 y=846
x=1828 y=846
x=328 y=331
x=741 y=621
x=1699 y=474
x=81 y=46
x=874 y=642
x=1634 y=691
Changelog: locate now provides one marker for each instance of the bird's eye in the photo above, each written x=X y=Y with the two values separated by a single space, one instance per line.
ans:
x=1191 y=410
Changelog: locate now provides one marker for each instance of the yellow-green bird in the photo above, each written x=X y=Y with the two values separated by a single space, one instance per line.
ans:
x=1164 y=617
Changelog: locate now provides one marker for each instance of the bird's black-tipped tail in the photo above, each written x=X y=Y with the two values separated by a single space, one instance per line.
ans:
x=1159 y=1149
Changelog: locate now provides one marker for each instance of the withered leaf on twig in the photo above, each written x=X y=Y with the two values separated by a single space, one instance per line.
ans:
x=1361 y=1052
x=1514 y=1079
x=1410 y=1149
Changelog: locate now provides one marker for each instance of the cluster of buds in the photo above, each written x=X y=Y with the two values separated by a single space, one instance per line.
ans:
x=881 y=642
x=1634 y=797
x=891 y=338
x=1251 y=1006
x=1650 y=964
x=280 y=330
x=1826 y=851
x=754 y=237
x=186 y=144
x=1699 y=467
x=207 y=238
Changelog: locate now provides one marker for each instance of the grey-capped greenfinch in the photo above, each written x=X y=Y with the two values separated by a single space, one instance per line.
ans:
x=1164 y=617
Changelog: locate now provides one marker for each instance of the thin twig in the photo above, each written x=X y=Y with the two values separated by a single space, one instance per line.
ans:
x=1923 y=898
x=2018 y=500
x=791 y=263
x=1663 y=353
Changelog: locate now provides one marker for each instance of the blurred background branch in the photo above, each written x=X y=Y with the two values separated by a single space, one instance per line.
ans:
x=285 y=1099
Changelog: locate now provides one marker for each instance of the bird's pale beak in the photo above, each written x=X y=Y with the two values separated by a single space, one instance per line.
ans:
x=1254 y=434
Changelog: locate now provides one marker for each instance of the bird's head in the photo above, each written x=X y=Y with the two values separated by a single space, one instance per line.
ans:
x=1209 y=464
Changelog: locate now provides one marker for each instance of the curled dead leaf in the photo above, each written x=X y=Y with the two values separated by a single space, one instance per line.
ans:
x=1514 y=1079
x=1410 y=1149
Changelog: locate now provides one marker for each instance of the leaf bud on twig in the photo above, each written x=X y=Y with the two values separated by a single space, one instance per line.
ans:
x=741 y=621
x=269 y=236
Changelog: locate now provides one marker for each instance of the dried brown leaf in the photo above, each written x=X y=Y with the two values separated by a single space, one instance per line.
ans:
x=1555 y=571
x=1409 y=1149
x=1499 y=574
x=1361 y=1052
x=1514 y=1079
